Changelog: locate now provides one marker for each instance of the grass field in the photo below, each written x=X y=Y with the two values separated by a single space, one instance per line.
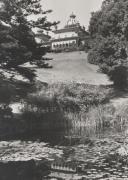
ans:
x=73 y=66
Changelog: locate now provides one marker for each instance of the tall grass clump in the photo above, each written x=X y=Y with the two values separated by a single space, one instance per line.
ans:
x=121 y=116
x=96 y=119
x=100 y=117
x=108 y=116
x=62 y=105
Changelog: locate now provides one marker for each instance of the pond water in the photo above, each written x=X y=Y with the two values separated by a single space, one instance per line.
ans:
x=90 y=154
x=103 y=156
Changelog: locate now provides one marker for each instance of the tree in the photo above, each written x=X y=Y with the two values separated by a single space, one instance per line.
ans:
x=109 y=30
x=17 y=40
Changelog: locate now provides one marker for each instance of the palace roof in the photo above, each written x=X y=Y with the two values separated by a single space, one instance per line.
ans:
x=71 y=26
x=67 y=29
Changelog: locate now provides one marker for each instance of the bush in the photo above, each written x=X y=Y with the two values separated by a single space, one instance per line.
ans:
x=118 y=75
x=77 y=95
x=61 y=106
x=67 y=97
x=93 y=57
x=112 y=60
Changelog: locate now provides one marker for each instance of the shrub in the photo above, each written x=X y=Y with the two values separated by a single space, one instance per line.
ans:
x=74 y=96
x=57 y=106
x=118 y=75
x=93 y=57
x=71 y=97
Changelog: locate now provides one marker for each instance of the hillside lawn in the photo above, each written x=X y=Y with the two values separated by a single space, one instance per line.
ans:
x=71 y=67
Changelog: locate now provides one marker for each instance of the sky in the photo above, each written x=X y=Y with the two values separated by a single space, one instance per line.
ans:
x=63 y=8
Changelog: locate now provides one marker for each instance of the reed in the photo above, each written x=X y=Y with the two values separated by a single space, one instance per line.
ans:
x=96 y=119
x=76 y=105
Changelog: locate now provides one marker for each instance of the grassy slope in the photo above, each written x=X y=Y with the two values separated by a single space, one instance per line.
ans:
x=69 y=67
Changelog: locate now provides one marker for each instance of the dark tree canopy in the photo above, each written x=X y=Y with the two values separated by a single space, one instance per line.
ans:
x=109 y=31
x=17 y=40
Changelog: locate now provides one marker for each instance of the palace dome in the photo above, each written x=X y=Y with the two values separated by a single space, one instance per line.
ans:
x=72 y=20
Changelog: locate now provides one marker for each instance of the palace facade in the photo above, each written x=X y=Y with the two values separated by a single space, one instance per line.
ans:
x=69 y=38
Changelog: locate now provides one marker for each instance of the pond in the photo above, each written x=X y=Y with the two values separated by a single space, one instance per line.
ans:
x=78 y=155
x=103 y=156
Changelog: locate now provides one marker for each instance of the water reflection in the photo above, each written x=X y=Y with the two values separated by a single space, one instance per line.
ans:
x=71 y=135
x=91 y=148
x=94 y=153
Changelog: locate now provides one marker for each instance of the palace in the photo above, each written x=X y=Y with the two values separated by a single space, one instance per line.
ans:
x=70 y=38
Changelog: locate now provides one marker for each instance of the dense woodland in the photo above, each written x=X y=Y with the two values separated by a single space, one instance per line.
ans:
x=109 y=36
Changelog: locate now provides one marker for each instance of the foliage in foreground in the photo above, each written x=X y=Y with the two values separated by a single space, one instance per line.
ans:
x=108 y=30
x=69 y=97
x=78 y=104
x=72 y=107
x=17 y=40
x=64 y=103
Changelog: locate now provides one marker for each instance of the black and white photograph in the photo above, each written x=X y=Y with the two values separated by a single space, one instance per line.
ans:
x=63 y=89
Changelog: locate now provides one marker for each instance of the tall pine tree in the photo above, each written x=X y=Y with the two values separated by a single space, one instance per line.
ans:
x=17 y=40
